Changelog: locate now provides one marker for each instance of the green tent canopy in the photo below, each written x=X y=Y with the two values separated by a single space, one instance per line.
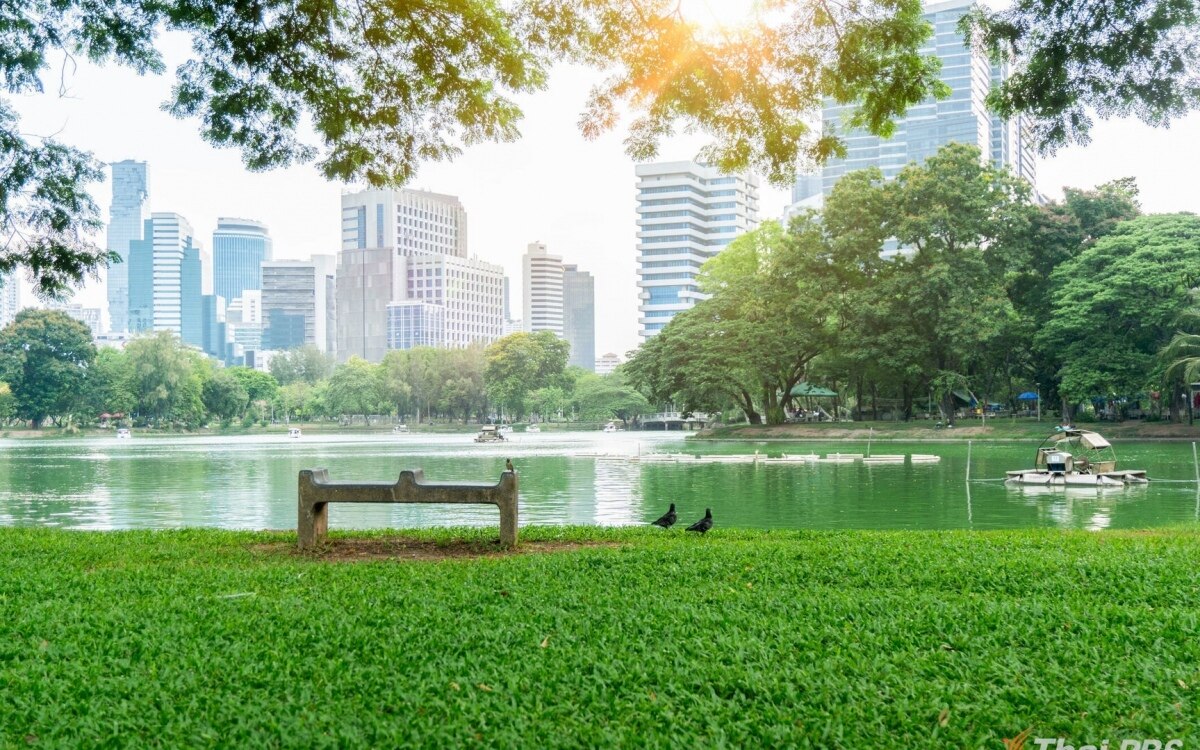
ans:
x=805 y=389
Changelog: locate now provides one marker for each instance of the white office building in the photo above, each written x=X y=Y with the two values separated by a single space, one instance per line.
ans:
x=126 y=223
x=390 y=240
x=471 y=291
x=410 y=221
x=10 y=298
x=542 y=275
x=172 y=237
x=687 y=213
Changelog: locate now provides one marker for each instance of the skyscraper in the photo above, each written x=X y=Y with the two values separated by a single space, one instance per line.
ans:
x=929 y=125
x=126 y=223
x=10 y=298
x=297 y=301
x=401 y=245
x=579 y=316
x=166 y=279
x=687 y=213
x=543 y=290
x=240 y=246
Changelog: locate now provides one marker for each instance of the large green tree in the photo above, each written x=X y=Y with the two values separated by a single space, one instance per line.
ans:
x=521 y=363
x=354 y=388
x=306 y=364
x=1117 y=306
x=224 y=395
x=165 y=377
x=45 y=356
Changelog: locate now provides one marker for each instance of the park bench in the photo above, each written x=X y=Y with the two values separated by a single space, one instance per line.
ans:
x=317 y=491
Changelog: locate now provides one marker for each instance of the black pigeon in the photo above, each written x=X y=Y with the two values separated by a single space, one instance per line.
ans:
x=704 y=524
x=508 y=465
x=668 y=519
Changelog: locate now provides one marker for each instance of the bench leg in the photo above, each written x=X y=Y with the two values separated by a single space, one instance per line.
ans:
x=312 y=524
x=508 y=521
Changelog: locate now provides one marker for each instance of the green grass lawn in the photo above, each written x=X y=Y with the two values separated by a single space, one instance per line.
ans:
x=752 y=639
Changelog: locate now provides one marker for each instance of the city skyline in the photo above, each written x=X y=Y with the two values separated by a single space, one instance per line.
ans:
x=514 y=191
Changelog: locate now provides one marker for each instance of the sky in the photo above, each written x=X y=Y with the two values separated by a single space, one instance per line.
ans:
x=553 y=186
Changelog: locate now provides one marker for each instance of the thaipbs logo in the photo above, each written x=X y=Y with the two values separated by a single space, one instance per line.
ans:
x=1058 y=743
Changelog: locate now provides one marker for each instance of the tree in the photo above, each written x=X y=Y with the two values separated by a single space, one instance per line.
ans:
x=1075 y=57
x=224 y=396
x=521 y=363
x=354 y=388
x=259 y=386
x=163 y=377
x=371 y=90
x=108 y=388
x=306 y=364
x=44 y=358
x=603 y=397
x=1117 y=305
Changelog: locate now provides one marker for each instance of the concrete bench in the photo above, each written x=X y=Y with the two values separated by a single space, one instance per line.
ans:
x=317 y=491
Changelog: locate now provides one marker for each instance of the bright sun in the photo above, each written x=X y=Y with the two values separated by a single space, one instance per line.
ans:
x=718 y=14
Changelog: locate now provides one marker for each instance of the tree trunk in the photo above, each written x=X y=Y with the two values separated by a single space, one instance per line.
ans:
x=908 y=399
x=948 y=407
x=874 y=402
x=1067 y=412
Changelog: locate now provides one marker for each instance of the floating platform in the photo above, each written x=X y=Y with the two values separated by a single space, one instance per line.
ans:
x=1043 y=478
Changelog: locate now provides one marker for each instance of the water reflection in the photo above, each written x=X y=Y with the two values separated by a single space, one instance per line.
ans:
x=250 y=482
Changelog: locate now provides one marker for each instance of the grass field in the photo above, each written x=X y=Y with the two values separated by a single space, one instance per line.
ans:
x=619 y=638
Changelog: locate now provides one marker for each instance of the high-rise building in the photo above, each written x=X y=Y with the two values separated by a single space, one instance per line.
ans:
x=240 y=247
x=127 y=214
x=166 y=279
x=579 y=316
x=470 y=289
x=543 y=290
x=931 y=124
x=10 y=298
x=687 y=213
x=411 y=221
x=244 y=320
x=409 y=245
x=297 y=303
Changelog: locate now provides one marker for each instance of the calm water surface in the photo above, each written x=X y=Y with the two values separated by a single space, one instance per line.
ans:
x=249 y=482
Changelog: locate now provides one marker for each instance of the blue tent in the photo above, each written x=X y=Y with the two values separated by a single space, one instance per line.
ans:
x=1028 y=396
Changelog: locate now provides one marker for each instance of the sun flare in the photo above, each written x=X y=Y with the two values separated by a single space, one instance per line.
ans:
x=716 y=15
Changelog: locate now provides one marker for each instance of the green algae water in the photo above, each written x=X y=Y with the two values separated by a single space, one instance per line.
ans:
x=249 y=482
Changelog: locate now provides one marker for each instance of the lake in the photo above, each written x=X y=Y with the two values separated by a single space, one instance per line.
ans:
x=249 y=482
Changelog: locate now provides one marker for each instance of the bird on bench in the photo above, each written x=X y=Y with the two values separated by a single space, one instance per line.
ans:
x=704 y=524
x=508 y=465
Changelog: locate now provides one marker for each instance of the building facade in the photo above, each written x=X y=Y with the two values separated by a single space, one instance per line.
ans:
x=410 y=221
x=608 y=363
x=542 y=276
x=240 y=247
x=687 y=213
x=931 y=124
x=414 y=323
x=579 y=316
x=410 y=246
x=166 y=279
x=297 y=303
x=471 y=291
x=10 y=298
x=127 y=217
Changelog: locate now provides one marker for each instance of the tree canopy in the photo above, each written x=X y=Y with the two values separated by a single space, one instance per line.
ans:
x=369 y=91
x=45 y=356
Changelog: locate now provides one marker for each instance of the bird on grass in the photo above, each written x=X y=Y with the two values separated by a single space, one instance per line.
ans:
x=508 y=465
x=667 y=520
x=704 y=524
